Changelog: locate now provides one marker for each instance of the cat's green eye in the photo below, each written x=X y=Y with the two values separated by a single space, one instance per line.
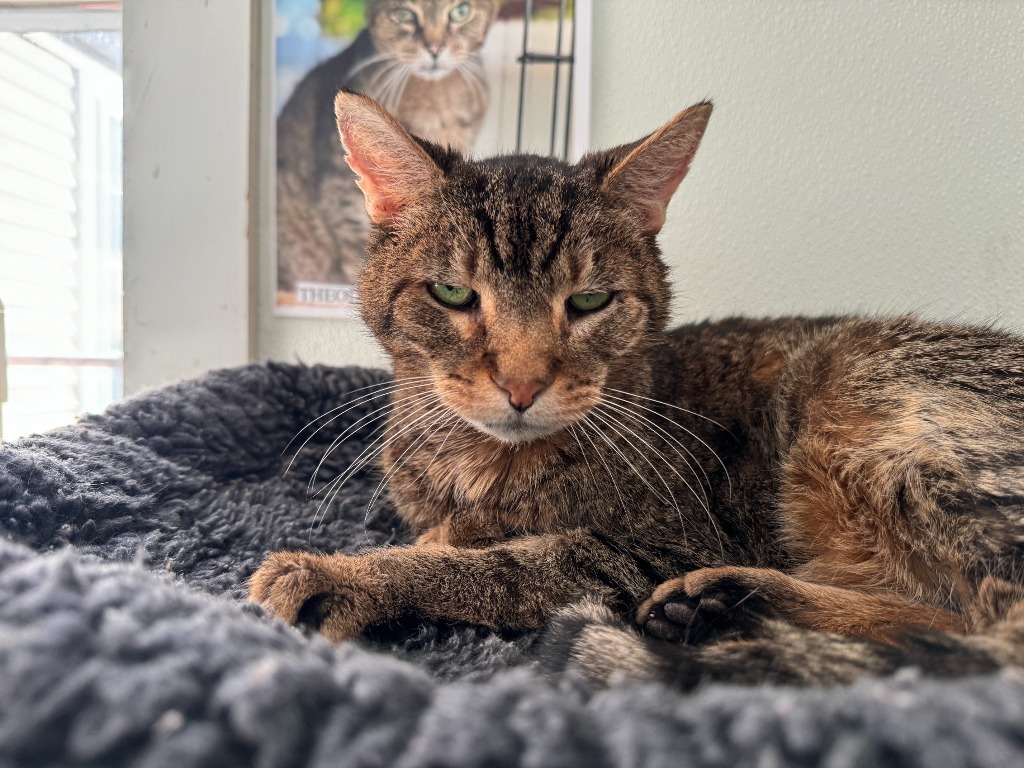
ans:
x=458 y=296
x=459 y=13
x=403 y=15
x=588 y=301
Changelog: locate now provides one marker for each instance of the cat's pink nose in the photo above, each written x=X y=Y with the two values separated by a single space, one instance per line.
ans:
x=435 y=49
x=521 y=394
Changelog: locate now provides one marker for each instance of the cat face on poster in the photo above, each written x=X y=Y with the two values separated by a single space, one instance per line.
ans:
x=429 y=39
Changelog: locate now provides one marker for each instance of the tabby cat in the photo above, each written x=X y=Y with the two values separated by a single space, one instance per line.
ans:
x=421 y=59
x=797 y=501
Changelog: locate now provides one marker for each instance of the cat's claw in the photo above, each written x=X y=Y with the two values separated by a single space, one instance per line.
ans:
x=684 y=611
x=690 y=620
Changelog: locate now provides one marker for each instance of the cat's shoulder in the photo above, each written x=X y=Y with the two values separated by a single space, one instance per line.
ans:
x=750 y=333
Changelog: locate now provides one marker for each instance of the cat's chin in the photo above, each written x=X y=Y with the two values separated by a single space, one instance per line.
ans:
x=515 y=432
x=433 y=73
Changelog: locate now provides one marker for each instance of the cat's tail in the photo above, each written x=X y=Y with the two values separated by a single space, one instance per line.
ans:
x=591 y=638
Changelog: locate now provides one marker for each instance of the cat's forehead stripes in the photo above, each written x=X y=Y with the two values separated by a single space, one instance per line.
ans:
x=524 y=210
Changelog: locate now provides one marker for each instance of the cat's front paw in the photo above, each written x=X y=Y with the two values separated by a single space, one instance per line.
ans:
x=324 y=592
x=703 y=607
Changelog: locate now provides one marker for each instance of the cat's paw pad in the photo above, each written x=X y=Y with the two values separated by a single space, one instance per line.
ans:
x=316 y=591
x=697 y=611
x=691 y=620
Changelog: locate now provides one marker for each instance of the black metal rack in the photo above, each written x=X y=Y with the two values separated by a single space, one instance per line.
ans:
x=558 y=60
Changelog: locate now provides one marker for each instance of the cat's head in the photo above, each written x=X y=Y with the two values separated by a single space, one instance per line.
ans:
x=524 y=287
x=430 y=38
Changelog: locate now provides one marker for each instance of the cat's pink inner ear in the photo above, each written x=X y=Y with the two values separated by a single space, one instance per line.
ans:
x=649 y=175
x=394 y=171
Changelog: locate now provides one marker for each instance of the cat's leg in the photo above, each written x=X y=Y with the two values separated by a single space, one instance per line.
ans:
x=517 y=584
x=591 y=638
x=715 y=603
x=464 y=529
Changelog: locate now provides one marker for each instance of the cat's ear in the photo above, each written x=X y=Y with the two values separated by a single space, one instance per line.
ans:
x=393 y=168
x=644 y=175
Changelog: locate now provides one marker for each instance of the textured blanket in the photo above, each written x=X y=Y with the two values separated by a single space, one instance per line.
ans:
x=125 y=638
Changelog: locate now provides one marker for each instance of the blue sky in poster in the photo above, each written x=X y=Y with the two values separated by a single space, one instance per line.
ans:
x=299 y=45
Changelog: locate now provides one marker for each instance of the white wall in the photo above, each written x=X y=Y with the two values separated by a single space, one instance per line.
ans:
x=186 y=188
x=863 y=156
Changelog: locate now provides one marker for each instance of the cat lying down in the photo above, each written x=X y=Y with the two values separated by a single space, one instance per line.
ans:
x=797 y=501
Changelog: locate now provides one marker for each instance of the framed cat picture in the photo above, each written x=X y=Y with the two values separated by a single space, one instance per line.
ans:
x=481 y=76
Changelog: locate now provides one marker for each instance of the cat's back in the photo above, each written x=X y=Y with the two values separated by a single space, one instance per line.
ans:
x=958 y=387
x=744 y=358
x=906 y=360
x=307 y=117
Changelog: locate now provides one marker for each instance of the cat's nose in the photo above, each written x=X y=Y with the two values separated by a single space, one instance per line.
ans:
x=521 y=394
x=435 y=49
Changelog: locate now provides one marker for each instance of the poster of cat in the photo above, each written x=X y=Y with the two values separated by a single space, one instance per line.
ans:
x=451 y=71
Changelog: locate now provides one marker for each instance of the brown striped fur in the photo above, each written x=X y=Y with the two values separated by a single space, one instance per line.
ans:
x=792 y=500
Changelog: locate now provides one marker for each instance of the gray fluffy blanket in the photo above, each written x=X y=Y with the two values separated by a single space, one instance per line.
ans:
x=125 y=638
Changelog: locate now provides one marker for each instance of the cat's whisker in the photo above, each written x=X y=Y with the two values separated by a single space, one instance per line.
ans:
x=572 y=431
x=393 y=429
x=310 y=493
x=616 y=411
x=379 y=82
x=329 y=489
x=479 y=77
x=397 y=417
x=362 y=422
x=389 y=63
x=378 y=386
x=608 y=421
x=394 y=86
x=674 y=407
x=474 y=67
x=705 y=505
x=390 y=388
x=600 y=455
x=456 y=419
x=429 y=431
x=615 y=447
x=364 y=458
x=375 y=59
x=388 y=98
x=314 y=524
x=401 y=89
x=680 y=426
x=382 y=85
x=617 y=405
x=472 y=76
x=368 y=454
